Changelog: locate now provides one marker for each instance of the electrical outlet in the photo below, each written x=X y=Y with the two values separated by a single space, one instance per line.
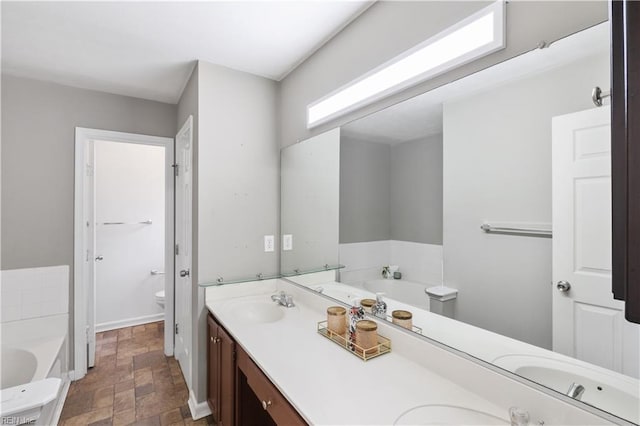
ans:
x=269 y=243
x=287 y=242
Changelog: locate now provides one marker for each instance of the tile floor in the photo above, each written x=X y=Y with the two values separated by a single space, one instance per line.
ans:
x=132 y=383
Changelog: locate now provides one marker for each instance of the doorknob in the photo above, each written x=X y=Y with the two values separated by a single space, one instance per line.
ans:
x=99 y=258
x=563 y=286
x=184 y=273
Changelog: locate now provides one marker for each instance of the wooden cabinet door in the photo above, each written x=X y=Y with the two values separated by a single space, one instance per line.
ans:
x=213 y=368
x=625 y=153
x=226 y=390
x=271 y=403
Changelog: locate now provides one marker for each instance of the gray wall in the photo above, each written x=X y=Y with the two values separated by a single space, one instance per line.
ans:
x=236 y=200
x=364 y=191
x=391 y=192
x=310 y=182
x=416 y=191
x=388 y=28
x=38 y=136
x=239 y=173
x=497 y=167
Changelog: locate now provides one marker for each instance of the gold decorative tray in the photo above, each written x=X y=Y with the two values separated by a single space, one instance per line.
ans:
x=383 y=346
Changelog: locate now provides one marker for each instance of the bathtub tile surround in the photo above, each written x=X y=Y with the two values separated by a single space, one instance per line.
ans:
x=34 y=292
x=418 y=262
x=133 y=382
x=35 y=324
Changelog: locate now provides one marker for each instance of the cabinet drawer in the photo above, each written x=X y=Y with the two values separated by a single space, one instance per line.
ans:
x=272 y=400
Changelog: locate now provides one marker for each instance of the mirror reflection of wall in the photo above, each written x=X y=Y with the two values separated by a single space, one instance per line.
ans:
x=495 y=166
x=309 y=203
x=498 y=167
x=391 y=203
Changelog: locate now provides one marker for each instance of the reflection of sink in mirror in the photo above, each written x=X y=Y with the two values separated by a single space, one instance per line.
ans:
x=256 y=311
x=604 y=389
x=435 y=414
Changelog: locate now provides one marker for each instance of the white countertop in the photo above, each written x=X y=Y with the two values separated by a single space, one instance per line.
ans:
x=506 y=352
x=327 y=385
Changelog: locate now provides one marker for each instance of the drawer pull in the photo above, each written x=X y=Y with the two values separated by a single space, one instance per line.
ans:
x=266 y=404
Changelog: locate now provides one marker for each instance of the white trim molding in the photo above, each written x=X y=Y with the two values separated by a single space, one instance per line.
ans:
x=198 y=409
x=129 y=322
x=83 y=138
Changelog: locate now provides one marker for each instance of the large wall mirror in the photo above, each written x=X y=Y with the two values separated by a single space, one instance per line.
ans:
x=493 y=195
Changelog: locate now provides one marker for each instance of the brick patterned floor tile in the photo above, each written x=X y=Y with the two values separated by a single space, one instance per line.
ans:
x=132 y=383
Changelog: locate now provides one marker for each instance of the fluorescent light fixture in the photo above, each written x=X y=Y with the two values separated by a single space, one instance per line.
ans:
x=476 y=36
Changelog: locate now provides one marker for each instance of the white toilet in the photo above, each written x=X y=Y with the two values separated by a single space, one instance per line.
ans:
x=442 y=300
x=160 y=298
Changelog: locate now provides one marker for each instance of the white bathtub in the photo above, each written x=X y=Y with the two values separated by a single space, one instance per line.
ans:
x=33 y=350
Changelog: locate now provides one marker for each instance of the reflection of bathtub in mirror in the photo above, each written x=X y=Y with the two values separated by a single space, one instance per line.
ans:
x=408 y=292
x=339 y=292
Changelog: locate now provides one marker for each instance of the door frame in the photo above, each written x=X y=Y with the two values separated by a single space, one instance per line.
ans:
x=82 y=307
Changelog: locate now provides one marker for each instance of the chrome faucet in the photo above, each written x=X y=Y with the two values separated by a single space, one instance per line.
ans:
x=575 y=391
x=283 y=299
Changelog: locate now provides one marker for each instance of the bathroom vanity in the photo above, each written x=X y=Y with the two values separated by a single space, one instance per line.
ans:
x=457 y=188
x=236 y=387
x=285 y=369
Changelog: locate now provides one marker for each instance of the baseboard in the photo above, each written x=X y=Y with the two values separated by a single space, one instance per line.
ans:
x=72 y=375
x=112 y=325
x=198 y=409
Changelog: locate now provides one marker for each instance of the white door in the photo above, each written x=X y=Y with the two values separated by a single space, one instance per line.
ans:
x=183 y=290
x=588 y=324
x=90 y=250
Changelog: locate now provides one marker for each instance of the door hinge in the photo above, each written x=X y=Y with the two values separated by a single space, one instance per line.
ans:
x=176 y=328
x=89 y=170
x=176 y=169
x=177 y=249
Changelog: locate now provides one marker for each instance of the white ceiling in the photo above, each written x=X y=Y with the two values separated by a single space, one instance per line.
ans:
x=421 y=116
x=148 y=49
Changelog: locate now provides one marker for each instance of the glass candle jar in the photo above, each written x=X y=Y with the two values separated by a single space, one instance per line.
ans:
x=367 y=336
x=367 y=304
x=337 y=320
x=402 y=318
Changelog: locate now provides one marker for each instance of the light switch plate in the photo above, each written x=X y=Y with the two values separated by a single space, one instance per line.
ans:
x=269 y=243
x=287 y=242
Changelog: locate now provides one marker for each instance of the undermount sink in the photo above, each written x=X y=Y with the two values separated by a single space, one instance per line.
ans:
x=443 y=414
x=609 y=391
x=256 y=311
